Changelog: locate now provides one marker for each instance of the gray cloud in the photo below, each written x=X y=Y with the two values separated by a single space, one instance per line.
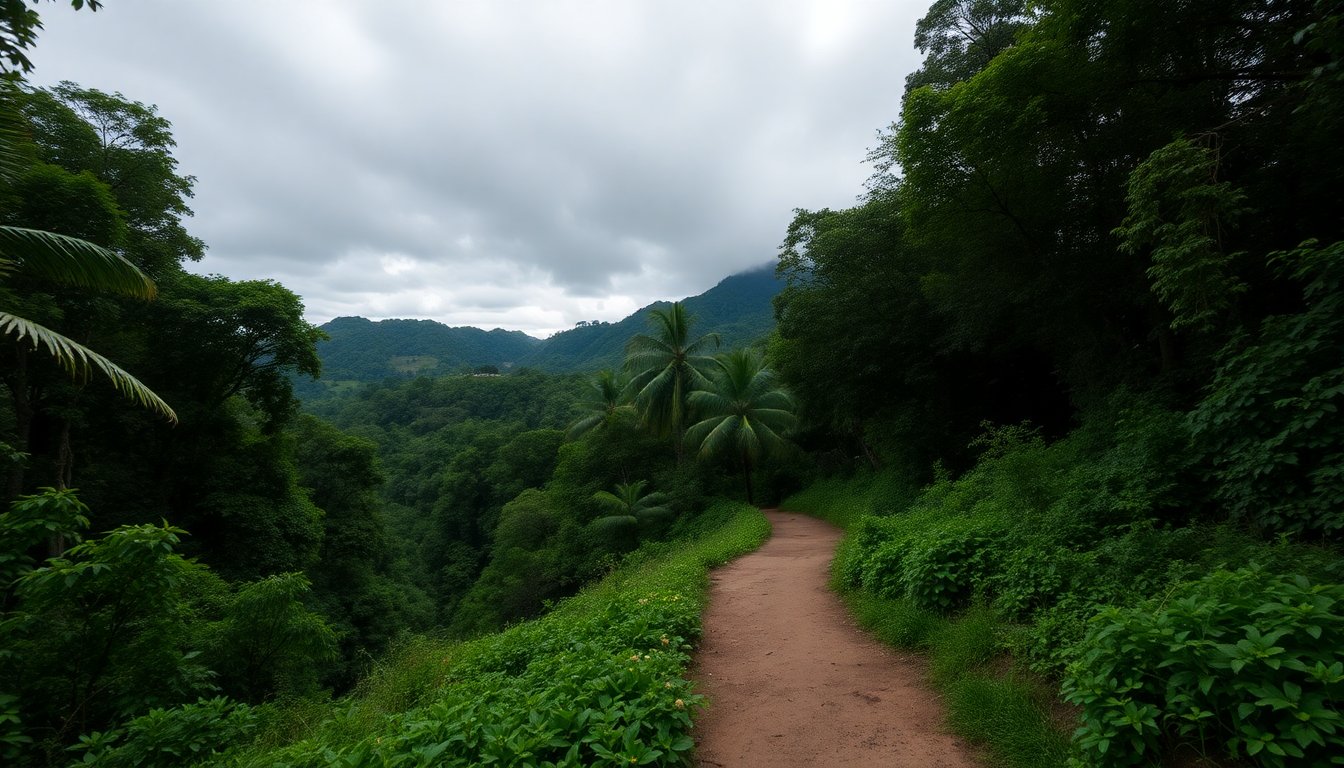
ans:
x=523 y=165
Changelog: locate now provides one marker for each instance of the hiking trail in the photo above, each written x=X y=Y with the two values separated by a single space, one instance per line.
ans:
x=793 y=681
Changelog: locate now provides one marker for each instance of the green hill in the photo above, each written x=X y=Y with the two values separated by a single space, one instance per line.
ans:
x=738 y=309
x=366 y=350
x=360 y=350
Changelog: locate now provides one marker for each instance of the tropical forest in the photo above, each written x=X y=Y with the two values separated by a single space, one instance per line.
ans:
x=1066 y=382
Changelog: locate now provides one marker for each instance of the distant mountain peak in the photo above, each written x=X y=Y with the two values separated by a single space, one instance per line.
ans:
x=738 y=307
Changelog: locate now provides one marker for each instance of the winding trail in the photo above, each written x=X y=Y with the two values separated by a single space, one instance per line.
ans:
x=792 y=681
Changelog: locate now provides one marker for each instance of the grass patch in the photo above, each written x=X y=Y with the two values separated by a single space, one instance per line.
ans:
x=1010 y=716
x=844 y=500
x=599 y=680
x=898 y=623
x=964 y=646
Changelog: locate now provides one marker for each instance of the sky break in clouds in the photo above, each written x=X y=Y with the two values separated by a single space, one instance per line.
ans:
x=523 y=165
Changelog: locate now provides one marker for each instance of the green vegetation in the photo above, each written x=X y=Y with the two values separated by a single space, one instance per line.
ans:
x=738 y=309
x=216 y=586
x=1068 y=374
x=1071 y=371
x=598 y=681
x=1065 y=562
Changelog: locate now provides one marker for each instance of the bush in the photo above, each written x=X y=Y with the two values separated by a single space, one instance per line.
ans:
x=947 y=562
x=1241 y=659
x=938 y=563
x=1035 y=576
x=184 y=735
x=1272 y=423
x=596 y=681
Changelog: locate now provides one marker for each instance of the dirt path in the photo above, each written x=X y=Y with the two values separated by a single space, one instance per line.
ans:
x=792 y=681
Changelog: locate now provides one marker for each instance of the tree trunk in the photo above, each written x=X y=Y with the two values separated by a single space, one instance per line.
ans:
x=23 y=418
x=856 y=429
x=746 y=475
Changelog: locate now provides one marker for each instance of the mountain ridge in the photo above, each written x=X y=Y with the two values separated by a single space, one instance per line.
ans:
x=738 y=308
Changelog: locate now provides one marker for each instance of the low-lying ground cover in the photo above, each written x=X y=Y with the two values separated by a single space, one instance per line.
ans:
x=1075 y=586
x=597 y=681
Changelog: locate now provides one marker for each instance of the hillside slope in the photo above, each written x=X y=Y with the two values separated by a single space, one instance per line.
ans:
x=365 y=350
x=360 y=350
x=738 y=309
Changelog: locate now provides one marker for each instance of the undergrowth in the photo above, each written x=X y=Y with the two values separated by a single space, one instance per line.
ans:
x=598 y=681
x=1078 y=586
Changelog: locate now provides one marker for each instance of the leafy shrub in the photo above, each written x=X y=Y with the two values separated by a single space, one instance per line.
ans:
x=1034 y=576
x=1050 y=643
x=858 y=563
x=183 y=735
x=946 y=562
x=598 y=681
x=1270 y=424
x=267 y=641
x=1130 y=461
x=881 y=572
x=100 y=634
x=1241 y=659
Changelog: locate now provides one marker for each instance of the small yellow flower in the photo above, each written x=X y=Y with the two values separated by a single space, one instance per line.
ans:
x=679 y=704
x=635 y=657
x=665 y=640
x=667 y=685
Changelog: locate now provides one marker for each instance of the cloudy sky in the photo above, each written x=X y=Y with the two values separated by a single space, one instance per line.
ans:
x=522 y=164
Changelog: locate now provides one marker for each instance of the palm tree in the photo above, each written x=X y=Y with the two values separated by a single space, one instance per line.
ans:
x=69 y=261
x=745 y=413
x=666 y=367
x=607 y=397
x=628 y=510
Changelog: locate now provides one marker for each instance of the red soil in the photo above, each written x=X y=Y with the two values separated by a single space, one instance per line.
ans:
x=792 y=681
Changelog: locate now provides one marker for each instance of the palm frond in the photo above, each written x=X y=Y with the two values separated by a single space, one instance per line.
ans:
x=702 y=342
x=611 y=501
x=653 y=516
x=584 y=425
x=72 y=261
x=640 y=359
x=719 y=437
x=616 y=523
x=652 y=500
x=79 y=359
x=13 y=135
x=710 y=401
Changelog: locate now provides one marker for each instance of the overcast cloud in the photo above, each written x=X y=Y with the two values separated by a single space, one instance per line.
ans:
x=499 y=163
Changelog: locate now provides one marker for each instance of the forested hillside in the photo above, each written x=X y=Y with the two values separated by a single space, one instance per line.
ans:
x=738 y=309
x=360 y=350
x=1070 y=373
x=190 y=564
x=357 y=349
x=1082 y=337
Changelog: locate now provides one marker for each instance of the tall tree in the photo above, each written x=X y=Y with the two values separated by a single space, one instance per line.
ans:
x=606 y=396
x=746 y=413
x=665 y=368
x=42 y=258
